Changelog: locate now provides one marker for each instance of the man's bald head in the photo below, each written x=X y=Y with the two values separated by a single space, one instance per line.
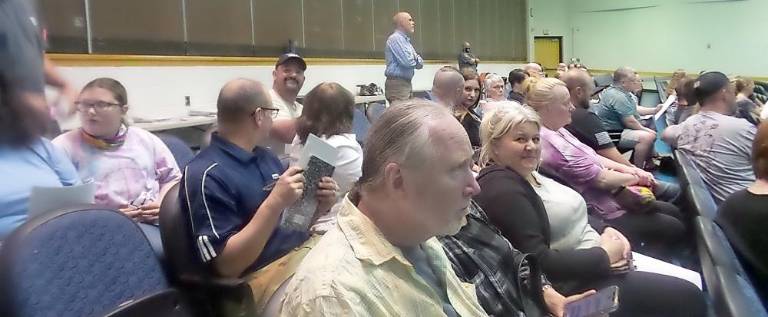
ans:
x=580 y=85
x=239 y=98
x=533 y=70
x=404 y=22
x=447 y=84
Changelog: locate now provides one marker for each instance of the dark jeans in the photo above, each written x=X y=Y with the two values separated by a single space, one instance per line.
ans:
x=660 y=234
x=650 y=294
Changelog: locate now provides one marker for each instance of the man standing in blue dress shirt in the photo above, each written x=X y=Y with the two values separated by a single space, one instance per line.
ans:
x=401 y=59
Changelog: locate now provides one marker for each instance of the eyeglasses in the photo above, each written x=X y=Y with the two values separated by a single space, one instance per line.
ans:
x=84 y=106
x=273 y=111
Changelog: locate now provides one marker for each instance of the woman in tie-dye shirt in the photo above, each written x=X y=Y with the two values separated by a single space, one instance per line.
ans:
x=132 y=168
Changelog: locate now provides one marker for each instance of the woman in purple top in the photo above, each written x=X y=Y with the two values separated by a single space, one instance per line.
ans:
x=656 y=232
x=132 y=168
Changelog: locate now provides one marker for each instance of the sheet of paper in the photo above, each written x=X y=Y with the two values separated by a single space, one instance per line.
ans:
x=47 y=199
x=645 y=263
x=670 y=100
x=317 y=147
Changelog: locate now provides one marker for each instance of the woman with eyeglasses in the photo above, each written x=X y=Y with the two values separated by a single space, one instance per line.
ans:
x=132 y=168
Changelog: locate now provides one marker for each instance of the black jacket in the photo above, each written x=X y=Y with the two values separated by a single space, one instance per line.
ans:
x=513 y=206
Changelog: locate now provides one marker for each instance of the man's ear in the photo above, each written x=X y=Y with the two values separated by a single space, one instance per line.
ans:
x=124 y=109
x=393 y=177
x=274 y=74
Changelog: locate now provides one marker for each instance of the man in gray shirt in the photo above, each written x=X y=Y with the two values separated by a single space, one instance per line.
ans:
x=719 y=144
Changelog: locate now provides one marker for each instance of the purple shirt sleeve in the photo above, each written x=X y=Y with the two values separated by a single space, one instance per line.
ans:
x=573 y=160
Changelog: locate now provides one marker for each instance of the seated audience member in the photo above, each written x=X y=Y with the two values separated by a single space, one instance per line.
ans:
x=677 y=78
x=494 y=92
x=132 y=168
x=674 y=82
x=447 y=87
x=717 y=143
x=328 y=112
x=561 y=69
x=288 y=78
x=382 y=257
x=686 y=105
x=747 y=106
x=618 y=111
x=27 y=160
x=743 y=217
x=465 y=111
x=542 y=217
x=534 y=70
x=586 y=127
x=658 y=227
x=516 y=78
x=235 y=191
x=500 y=273
x=494 y=88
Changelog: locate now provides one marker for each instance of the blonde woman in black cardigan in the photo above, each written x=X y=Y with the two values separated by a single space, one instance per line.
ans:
x=574 y=255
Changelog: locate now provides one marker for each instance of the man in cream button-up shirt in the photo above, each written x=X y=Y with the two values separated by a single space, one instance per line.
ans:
x=382 y=258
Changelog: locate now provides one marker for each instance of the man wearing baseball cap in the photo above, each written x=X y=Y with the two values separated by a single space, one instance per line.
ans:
x=288 y=78
x=719 y=144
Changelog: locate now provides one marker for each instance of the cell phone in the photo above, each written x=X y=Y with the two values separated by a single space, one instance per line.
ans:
x=601 y=303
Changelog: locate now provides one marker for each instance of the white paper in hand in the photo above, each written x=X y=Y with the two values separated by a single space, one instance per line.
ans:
x=47 y=199
x=318 y=159
x=670 y=100
x=646 y=263
x=318 y=148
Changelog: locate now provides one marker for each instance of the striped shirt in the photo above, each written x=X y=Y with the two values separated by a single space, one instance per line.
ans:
x=401 y=57
x=220 y=192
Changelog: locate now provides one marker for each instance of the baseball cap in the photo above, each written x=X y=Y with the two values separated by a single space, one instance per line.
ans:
x=291 y=56
x=709 y=84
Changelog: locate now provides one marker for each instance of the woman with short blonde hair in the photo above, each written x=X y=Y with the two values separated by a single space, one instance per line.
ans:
x=543 y=217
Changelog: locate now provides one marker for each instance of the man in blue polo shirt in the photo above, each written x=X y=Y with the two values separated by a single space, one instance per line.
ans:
x=235 y=190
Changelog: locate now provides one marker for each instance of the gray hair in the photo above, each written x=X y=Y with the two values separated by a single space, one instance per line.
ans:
x=500 y=121
x=401 y=135
x=622 y=73
x=491 y=78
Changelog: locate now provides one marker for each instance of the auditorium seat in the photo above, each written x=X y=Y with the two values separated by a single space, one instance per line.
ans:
x=728 y=286
x=83 y=261
x=180 y=150
x=695 y=188
x=360 y=125
x=212 y=295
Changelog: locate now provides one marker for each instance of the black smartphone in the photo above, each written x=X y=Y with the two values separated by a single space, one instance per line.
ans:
x=602 y=303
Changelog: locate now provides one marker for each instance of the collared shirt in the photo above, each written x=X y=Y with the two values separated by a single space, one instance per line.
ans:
x=483 y=257
x=721 y=148
x=37 y=164
x=615 y=104
x=579 y=165
x=401 y=57
x=355 y=271
x=222 y=188
x=131 y=174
